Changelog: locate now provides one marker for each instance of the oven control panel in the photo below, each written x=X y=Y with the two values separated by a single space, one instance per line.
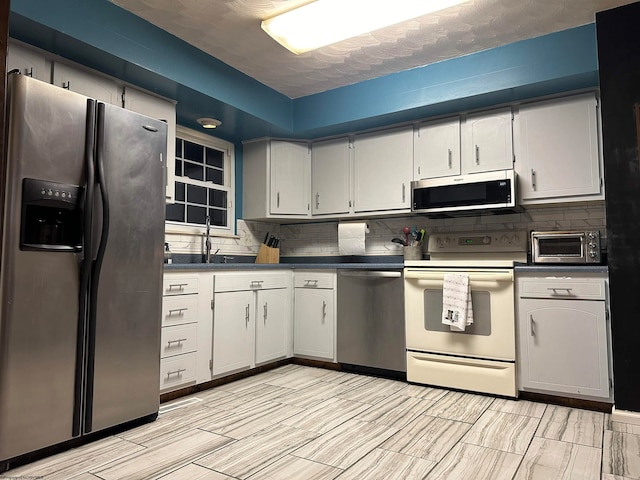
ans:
x=459 y=242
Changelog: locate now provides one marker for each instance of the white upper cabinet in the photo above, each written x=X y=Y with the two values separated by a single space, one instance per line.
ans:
x=487 y=141
x=28 y=62
x=276 y=179
x=557 y=150
x=87 y=83
x=290 y=178
x=331 y=177
x=436 y=149
x=383 y=169
x=161 y=109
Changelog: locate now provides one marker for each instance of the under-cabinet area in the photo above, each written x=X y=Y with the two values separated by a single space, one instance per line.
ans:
x=563 y=327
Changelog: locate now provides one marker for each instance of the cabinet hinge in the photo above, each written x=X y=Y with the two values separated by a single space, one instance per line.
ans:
x=211 y=365
x=212 y=303
x=514 y=158
x=122 y=96
x=601 y=182
x=606 y=315
x=610 y=383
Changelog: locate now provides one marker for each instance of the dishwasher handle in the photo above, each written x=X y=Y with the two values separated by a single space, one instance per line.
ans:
x=372 y=273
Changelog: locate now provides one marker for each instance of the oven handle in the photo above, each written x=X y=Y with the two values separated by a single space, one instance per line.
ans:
x=475 y=276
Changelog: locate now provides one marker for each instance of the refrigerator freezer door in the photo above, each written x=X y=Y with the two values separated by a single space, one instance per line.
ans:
x=39 y=289
x=129 y=294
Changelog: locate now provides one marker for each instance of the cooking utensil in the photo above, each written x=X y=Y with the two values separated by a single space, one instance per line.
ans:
x=406 y=231
x=399 y=240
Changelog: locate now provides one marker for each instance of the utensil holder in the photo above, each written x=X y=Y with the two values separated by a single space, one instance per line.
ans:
x=413 y=252
x=268 y=255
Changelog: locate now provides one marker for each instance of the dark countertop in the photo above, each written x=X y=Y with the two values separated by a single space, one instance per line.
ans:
x=559 y=269
x=390 y=262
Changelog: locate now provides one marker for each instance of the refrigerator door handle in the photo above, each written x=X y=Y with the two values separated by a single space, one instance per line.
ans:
x=85 y=265
x=97 y=266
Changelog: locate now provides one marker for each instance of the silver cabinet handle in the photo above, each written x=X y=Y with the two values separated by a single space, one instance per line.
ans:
x=246 y=315
x=418 y=169
x=477 y=155
x=177 y=372
x=278 y=199
x=178 y=341
x=403 y=192
x=324 y=310
x=177 y=286
x=66 y=86
x=311 y=283
x=532 y=325
x=265 y=313
x=256 y=283
x=450 y=159
x=555 y=290
x=533 y=179
x=317 y=200
x=178 y=311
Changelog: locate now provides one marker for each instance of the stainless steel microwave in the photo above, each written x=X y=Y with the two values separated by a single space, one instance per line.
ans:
x=472 y=194
x=565 y=247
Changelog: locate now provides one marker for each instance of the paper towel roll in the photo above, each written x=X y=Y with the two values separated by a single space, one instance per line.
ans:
x=351 y=238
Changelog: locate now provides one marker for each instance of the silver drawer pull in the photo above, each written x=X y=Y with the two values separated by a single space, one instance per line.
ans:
x=178 y=341
x=178 y=311
x=177 y=372
x=311 y=283
x=256 y=283
x=554 y=290
x=177 y=286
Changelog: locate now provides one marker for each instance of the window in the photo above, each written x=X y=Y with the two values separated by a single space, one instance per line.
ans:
x=204 y=182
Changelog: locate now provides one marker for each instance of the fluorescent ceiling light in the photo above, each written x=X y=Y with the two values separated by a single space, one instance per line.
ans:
x=324 y=22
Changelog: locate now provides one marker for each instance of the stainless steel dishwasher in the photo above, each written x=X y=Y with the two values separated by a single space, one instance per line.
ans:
x=371 y=319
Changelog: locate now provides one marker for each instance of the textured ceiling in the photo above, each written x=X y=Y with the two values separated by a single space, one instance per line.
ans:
x=230 y=31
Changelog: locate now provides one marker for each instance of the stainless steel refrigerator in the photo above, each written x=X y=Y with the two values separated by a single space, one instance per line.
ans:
x=82 y=226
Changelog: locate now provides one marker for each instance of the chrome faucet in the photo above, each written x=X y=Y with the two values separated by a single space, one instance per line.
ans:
x=207 y=243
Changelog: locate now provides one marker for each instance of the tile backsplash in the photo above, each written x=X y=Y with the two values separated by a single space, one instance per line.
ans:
x=321 y=238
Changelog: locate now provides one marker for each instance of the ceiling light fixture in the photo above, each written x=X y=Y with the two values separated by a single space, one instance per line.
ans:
x=209 y=122
x=324 y=22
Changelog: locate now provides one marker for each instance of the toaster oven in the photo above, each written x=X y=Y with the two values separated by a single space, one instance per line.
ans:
x=566 y=247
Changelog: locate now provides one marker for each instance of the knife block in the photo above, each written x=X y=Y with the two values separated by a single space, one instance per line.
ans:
x=268 y=255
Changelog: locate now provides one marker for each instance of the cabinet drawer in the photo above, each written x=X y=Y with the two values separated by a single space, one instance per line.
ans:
x=179 y=284
x=179 y=309
x=231 y=283
x=177 y=371
x=314 y=280
x=592 y=289
x=179 y=339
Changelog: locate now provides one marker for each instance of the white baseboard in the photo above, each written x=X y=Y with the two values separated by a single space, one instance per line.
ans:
x=625 y=416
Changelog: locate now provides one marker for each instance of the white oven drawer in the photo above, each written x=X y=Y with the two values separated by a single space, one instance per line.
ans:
x=576 y=289
x=498 y=378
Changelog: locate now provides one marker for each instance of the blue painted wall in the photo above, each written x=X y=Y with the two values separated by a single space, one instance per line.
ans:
x=105 y=37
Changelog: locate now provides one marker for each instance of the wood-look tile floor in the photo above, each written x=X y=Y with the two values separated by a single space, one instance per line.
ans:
x=306 y=423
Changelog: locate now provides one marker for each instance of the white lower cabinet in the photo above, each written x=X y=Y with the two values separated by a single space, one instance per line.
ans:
x=314 y=320
x=272 y=324
x=251 y=320
x=563 y=336
x=233 y=322
x=179 y=334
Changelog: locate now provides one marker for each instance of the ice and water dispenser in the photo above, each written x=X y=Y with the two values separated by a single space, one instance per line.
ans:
x=51 y=216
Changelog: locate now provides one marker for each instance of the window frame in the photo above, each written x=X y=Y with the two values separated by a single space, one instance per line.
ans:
x=228 y=148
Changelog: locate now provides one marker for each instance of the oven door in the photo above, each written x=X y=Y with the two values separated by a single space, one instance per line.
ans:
x=492 y=334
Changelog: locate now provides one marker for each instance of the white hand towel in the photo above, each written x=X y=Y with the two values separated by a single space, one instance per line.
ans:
x=457 y=309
